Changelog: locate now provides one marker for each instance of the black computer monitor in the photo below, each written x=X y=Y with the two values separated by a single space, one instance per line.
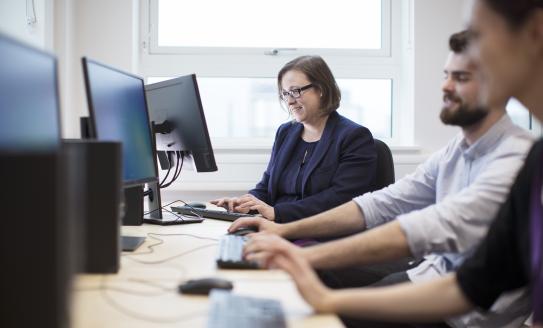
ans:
x=35 y=253
x=118 y=112
x=28 y=99
x=176 y=109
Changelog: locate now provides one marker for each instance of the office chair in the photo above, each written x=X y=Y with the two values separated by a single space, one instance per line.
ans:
x=384 y=174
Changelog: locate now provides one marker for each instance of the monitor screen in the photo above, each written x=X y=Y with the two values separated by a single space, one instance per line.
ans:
x=118 y=112
x=29 y=105
x=178 y=101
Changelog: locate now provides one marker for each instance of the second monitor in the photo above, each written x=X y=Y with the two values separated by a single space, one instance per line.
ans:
x=180 y=130
x=176 y=110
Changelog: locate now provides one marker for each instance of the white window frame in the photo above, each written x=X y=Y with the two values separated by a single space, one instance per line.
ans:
x=384 y=63
x=154 y=48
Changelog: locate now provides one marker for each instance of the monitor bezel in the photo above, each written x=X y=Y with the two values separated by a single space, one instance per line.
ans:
x=128 y=183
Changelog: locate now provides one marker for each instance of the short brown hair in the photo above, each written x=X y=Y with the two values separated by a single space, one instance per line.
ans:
x=459 y=42
x=320 y=75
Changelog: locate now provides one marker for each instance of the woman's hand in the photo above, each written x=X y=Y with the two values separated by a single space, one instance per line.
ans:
x=229 y=203
x=249 y=202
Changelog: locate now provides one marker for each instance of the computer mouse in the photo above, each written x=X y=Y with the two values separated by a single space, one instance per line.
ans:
x=197 y=205
x=244 y=231
x=204 y=286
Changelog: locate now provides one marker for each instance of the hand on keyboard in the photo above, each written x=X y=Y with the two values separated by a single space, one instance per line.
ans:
x=249 y=202
x=229 y=203
x=230 y=255
x=276 y=252
x=246 y=204
x=258 y=223
x=257 y=249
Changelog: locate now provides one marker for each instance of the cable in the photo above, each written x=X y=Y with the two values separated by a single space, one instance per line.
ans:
x=177 y=215
x=129 y=256
x=153 y=284
x=182 y=162
x=194 y=211
x=150 y=248
x=139 y=316
x=104 y=288
x=178 y=168
x=180 y=216
x=160 y=241
x=174 y=173
x=182 y=158
x=167 y=173
x=182 y=234
x=180 y=270
x=170 y=203
x=121 y=290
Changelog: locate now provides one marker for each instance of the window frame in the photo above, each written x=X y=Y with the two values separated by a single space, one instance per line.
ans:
x=384 y=63
x=154 y=48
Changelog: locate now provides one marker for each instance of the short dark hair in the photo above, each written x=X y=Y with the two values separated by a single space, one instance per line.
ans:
x=459 y=42
x=515 y=12
x=320 y=75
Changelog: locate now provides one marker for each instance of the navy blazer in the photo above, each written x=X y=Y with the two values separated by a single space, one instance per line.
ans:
x=342 y=166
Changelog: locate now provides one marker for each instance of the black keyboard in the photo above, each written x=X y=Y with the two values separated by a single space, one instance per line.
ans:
x=230 y=254
x=231 y=310
x=212 y=214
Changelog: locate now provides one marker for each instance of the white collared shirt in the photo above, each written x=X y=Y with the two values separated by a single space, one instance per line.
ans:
x=446 y=206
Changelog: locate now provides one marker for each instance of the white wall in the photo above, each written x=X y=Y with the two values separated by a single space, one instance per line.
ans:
x=434 y=21
x=103 y=30
x=13 y=21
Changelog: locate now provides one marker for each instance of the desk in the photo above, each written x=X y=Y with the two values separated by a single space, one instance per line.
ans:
x=145 y=295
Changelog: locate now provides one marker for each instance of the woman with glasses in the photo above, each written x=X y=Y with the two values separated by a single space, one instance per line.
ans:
x=507 y=39
x=319 y=160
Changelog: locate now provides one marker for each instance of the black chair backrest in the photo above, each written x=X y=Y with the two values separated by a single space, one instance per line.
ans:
x=384 y=174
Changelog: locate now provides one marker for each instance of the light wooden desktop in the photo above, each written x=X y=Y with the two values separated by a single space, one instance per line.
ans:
x=145 y=294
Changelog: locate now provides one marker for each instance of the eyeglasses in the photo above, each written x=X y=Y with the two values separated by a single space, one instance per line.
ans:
x=294 y=93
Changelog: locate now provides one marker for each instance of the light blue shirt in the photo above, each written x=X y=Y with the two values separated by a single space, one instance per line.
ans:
x=446 y=206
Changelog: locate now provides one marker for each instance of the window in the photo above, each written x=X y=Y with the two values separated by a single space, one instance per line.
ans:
x=520 y=115
x=280 y=24
x=250 y=108
x=236 y=48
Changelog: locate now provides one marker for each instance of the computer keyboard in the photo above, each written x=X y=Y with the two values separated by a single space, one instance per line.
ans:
x=231 y=310
x=230 y=254
x=207 y=213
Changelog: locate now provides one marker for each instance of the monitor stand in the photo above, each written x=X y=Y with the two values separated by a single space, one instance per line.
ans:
x=131 y=243
x=133 y=216
x=156 y=215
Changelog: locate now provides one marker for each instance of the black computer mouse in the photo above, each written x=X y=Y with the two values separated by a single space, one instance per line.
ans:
x=197 y=205
x=204 y=286
x=244 y=231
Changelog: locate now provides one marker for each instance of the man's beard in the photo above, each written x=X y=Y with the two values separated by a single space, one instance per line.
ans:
x=462 y=116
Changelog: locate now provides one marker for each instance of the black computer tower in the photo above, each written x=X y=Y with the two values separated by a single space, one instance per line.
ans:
x=94 y=202
x=35 y=266
x=132 y=197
